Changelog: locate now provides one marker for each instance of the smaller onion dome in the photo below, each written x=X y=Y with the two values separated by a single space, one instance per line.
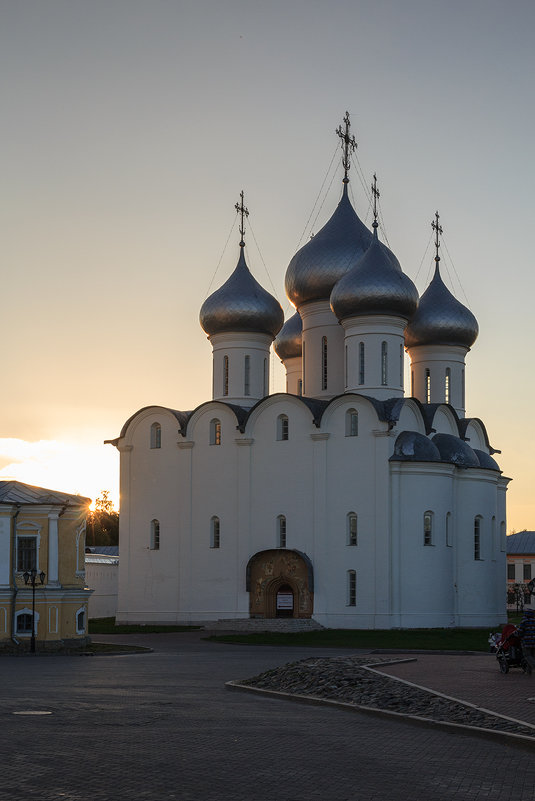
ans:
x=241 y=304
x=334 y=250
x=411 y=446
x=288 y=343
x=441 y=319
x=455 y=450
x=375 y=286
x=486 y=461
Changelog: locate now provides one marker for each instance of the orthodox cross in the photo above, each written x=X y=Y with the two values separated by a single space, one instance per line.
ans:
x=376 y=195
x=437 y=228
x=243 y=212
x=348 y=145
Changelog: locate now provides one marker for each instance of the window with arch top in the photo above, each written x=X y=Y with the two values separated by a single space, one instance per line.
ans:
x=155 y=435
x=283 y=429
x=225 y=375
x=281 y=531
x=324 y=362
x=215 y=532
x=477 y=538
x=428 y=528
x=384 y=364
x=247 y=375
x=352 y=423
x=215 y=431
x=351 y=529
x=351 y=588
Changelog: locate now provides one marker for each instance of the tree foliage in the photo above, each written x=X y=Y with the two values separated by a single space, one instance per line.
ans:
x=103 y=522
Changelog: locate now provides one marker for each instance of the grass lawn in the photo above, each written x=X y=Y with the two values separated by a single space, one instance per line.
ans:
x=414 y=639
x=106 y=625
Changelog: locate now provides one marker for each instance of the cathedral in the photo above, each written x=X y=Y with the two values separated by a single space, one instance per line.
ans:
x=345 y=499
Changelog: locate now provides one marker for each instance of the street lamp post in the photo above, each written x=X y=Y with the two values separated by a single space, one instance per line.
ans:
x=30 y=578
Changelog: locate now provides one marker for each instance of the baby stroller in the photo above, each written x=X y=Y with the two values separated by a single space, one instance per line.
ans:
x=509 y=649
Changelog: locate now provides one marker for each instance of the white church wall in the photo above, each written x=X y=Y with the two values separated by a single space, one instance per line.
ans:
x=410 y=418
x=475 y=436
x=148 y=575
x=444 y=422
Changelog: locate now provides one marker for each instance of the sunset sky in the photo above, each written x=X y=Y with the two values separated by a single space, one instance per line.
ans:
x=130 y=128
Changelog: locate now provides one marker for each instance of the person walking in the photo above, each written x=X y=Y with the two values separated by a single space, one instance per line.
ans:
x=526 y=632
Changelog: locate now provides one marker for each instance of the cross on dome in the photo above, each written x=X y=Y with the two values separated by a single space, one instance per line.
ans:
x=376 y=195
x=243 y=212
x=349 y=145
x=437 y=228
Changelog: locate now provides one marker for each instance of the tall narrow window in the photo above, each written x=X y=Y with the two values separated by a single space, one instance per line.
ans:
x=351 y=529
x=503 y=536
x=352 y=423
x=462 y=387
x=427 y=385
x=351 y=588
x=264 y=380
x=384 y=364
x=282 y=427
x=428 y=528
x=361 y=362
x=449 y=541
x=225 y=375
x=247 y=376
x=155 y=535
x=215 y=432
x=477 y=538
x=493 y=543
x=281 y=531
x=26 y=553
x=345 y=367
x=447 y=380
x=324 y=362
x=300 y=387
x=401 y=376
x=156 y=435
x=412 y=383
x=215 y=532
x=303 y=362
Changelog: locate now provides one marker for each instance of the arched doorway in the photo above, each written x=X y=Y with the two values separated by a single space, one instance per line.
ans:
x=280 y=584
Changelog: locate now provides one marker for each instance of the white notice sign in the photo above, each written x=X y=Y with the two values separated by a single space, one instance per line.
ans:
x=285 y=600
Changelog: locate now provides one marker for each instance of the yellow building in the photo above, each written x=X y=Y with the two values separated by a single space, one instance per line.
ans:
x=42 y=532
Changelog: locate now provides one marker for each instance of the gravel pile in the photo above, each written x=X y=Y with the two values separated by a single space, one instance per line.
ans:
x=346 y=679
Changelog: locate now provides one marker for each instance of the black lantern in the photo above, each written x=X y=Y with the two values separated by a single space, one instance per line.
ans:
x=30 y=577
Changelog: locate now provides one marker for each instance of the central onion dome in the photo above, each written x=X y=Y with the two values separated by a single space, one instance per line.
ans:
x=441 y=319
x=375 y=285
x=334 y=250
x=288 y=344
x=241 y=304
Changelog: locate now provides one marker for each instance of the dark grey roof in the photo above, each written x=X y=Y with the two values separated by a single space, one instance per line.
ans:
x=334 y=250
x=375 y=285
x=289 y=341
x=182 y=418
x=410 y=446
x=16 y=492
x=485 y=460
x=522 y=542
x=455 y=450
x=241 y=304
x=441 y=319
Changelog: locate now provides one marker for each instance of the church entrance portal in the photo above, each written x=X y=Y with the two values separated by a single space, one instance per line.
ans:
x=280 y=584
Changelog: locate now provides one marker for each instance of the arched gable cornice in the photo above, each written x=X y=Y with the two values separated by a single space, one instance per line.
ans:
x=260 y=554
x=238 y=411
x=415 y=406
x=141 y=413
x=352 y=399
x=463 y=426
x=315 y=407
x=451 y=416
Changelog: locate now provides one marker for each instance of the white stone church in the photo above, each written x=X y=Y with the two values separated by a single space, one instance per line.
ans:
x=345 y=499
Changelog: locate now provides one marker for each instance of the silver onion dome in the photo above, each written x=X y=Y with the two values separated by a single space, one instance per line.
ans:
x=375 y=285
x=241 y=304
x=441 y=319
x=334 y=250
x=288 y=343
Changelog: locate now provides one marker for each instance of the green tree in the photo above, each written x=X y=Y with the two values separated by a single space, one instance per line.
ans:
x=103 y=522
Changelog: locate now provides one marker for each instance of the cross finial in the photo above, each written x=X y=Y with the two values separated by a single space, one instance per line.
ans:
x=243 y=212
x=437 y=228
x=348 y=145
x=376 y=195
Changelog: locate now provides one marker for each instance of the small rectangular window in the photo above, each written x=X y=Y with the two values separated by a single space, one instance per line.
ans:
x=511 y=571
x=527 y=572
x=428 y=528
x=26 y=553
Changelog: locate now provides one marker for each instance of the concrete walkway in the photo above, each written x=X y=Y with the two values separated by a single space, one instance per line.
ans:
x=162 y=726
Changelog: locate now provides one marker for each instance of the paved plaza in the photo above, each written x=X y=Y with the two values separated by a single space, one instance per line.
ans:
x=162 y=726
